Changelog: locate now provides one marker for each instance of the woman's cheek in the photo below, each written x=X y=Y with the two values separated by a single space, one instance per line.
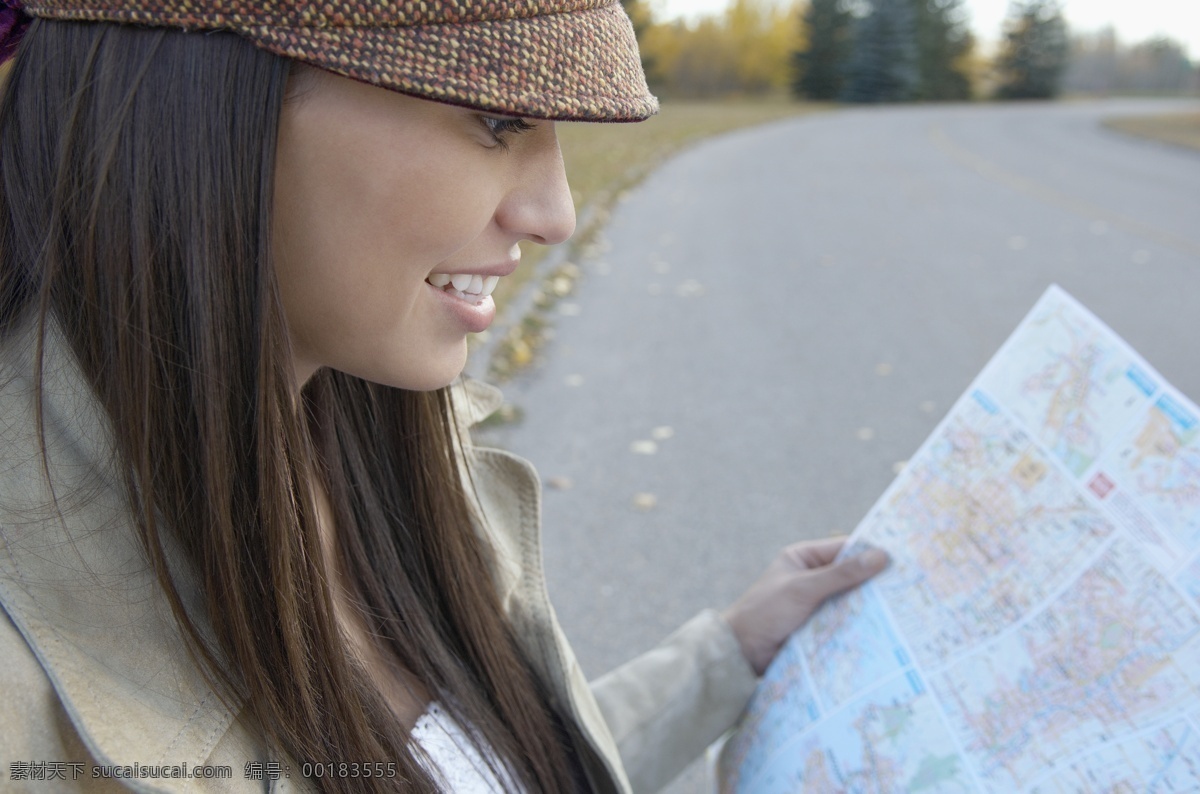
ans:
x=456 y=202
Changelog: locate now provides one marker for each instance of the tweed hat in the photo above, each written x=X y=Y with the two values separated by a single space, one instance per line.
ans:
x=554 y=59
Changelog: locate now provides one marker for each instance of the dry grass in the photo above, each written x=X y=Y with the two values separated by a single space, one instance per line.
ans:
x=604 y=159
x=1180 y=129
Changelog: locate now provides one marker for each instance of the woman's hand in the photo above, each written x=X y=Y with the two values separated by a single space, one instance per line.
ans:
x=796 y=582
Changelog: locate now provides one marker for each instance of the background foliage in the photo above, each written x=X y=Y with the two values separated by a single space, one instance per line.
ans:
x=895 y=51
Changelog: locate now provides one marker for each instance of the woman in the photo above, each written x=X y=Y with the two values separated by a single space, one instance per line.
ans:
x=242 y=524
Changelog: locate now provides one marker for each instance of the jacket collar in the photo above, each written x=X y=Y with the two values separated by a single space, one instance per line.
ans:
x=76 y=583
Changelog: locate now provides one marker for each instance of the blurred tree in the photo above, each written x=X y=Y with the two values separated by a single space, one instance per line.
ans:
x=820 y=67
x=640 y=15
x=943 y=46
x=1092 y=63
x=1157 y=66
x=705 y=66
x=883 y=62
x=745 y=50
x=661 y=44
x=1034 y=52
x=763 y=35
x=977 y=66
x=1098 y=63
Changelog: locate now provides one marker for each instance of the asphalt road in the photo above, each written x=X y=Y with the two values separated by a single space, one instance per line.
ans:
x=782 y=315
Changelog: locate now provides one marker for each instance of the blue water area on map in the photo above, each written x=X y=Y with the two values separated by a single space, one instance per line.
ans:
x=1141 y=379
x=985 y=402
x=1179 y=415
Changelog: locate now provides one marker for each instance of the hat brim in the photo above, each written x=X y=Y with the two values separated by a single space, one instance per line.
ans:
x=574 y=66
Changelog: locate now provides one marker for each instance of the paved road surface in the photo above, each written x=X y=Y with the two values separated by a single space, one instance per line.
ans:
x=800 y=304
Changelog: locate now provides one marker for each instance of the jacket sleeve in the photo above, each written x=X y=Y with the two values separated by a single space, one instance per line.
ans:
x=667 y=705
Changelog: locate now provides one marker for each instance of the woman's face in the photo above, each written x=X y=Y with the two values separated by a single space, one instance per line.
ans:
x=378 y=198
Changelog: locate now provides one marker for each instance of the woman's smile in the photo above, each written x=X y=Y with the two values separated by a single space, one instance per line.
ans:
x=468 y=294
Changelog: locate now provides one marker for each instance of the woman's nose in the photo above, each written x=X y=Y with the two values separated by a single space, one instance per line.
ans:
x=539 y=207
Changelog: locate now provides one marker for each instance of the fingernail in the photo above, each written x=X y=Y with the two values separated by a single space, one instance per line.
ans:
x=874 y=558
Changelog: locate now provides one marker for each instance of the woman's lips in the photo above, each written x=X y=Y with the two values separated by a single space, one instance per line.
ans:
x=474 y=312
x=468 y=295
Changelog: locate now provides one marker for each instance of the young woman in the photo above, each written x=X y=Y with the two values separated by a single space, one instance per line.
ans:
x=242 y=530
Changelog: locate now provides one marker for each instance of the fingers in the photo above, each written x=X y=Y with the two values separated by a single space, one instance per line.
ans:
x=816 y=553
x=845 y=574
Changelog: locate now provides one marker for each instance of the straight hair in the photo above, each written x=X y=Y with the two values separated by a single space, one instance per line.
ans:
x=136 y=181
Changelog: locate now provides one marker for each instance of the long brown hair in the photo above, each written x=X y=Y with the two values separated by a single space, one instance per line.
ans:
x=135 y=212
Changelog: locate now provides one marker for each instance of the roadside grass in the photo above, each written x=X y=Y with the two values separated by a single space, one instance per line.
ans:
x=602 y=160
x=1180 y=129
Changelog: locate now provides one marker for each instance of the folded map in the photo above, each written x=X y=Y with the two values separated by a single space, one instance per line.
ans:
x=1039 y=627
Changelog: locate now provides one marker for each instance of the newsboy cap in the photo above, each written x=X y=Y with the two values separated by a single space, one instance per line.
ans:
x=553 y=59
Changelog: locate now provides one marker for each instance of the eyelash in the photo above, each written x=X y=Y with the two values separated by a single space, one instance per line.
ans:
x=501 y=127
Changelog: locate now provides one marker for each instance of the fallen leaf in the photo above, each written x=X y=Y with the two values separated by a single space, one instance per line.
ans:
x=645 y=501
x=662 y=433
x=521 y=353
x=643 y=447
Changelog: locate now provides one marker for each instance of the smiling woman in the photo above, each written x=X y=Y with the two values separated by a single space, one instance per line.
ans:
x=242 y=525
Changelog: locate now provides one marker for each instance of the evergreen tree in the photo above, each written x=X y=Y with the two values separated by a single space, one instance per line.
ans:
x=820 y=67
x=1035 y=51
x=883 y=62
x=942 y=41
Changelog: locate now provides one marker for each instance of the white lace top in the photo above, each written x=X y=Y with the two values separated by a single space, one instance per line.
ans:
x=456 y=763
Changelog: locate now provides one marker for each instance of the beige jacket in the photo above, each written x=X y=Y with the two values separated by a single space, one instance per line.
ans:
x=93 y=672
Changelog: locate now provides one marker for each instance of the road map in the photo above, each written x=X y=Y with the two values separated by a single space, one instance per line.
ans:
x=1038 y=629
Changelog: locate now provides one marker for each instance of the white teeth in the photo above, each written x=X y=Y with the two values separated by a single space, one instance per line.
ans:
x=466 y=283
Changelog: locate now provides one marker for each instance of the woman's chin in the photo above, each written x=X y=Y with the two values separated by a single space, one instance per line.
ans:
x=432 y=374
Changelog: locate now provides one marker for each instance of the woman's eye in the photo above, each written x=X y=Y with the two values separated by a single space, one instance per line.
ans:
x=502 y=127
